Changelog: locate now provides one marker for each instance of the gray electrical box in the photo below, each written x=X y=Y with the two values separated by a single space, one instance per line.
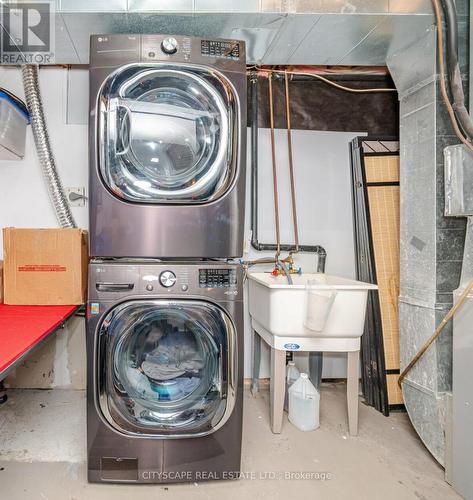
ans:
x=458 y=181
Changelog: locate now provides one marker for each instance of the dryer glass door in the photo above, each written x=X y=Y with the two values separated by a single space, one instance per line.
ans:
x=166 y=367
x=166 y=134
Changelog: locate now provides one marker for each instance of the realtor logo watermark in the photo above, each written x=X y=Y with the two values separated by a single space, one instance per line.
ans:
x=28 y=33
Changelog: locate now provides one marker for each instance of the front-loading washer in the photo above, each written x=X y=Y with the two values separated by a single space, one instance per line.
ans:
x=167 y=141
x=165 y=371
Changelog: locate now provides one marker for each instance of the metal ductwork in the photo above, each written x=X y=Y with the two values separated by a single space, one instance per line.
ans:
x=276 y=31
x=43 y=146
x=431 y=244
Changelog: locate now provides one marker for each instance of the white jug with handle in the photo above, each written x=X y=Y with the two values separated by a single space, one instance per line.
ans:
x=304 y=404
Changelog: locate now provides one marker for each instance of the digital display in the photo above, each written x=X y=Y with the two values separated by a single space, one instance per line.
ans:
x=217 y=278
x=219 y=48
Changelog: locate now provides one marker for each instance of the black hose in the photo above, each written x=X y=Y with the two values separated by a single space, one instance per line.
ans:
x=452 y=32
x=456 y=84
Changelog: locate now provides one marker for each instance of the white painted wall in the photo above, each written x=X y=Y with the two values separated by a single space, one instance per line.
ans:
x=322 y=176
x=24 y=201
x=324 y=206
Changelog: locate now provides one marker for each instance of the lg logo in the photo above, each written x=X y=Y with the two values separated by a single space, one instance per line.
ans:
x=27 y=32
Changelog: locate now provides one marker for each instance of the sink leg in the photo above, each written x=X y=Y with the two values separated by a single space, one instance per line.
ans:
x=256 y=362
x=277 y=389
x=352 y=391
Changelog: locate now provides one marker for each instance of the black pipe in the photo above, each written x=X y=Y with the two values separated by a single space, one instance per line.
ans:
x=316 y=249
x=349 y=77
x=254 y=160
x=454 y=73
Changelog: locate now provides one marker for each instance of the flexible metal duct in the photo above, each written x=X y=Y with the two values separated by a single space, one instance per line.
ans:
x=43 y=146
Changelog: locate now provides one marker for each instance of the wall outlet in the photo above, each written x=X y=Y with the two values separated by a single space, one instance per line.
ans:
x=76 y=196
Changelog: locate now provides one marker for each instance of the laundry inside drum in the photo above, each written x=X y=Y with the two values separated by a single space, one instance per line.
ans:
x=168 y=370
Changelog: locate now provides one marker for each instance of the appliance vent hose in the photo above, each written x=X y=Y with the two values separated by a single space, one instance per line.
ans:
x=43 y=146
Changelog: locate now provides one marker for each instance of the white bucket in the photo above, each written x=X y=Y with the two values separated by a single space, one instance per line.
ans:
x=319 y=305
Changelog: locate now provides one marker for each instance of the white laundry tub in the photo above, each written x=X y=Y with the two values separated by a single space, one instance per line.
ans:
x=281 y=308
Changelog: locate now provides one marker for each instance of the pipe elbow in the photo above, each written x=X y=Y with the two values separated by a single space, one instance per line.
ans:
x=321 y=252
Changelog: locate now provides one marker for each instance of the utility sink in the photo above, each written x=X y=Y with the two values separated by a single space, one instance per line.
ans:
x=281 y=308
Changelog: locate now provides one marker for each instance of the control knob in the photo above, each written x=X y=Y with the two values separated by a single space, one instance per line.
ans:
x=167 y=279
x=169 y=45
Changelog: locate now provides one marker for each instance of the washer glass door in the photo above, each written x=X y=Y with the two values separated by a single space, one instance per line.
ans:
x=165 y=134
x=166 y=367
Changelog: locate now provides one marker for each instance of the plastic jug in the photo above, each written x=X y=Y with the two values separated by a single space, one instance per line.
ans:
x=304 y=404
x=292 y=374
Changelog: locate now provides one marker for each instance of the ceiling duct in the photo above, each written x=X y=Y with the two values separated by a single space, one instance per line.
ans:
x=276 y=31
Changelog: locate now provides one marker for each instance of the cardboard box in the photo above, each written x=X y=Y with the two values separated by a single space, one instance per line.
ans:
x=1 y=281
x=45 y=266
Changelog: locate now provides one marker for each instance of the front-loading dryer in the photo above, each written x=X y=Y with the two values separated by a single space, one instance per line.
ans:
x=165 y=371
x=167 y=146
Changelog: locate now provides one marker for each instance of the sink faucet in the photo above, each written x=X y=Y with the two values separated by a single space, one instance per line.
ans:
x=286 y=266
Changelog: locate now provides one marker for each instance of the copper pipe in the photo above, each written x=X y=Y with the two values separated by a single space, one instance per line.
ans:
x=448 y=317
x=291 y=163
x=269 y=71
x=275 y=173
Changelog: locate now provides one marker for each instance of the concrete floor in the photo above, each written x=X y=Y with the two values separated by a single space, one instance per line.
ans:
x=42 y=455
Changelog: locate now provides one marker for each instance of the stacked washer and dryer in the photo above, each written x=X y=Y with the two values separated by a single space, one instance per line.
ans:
x=165 y=307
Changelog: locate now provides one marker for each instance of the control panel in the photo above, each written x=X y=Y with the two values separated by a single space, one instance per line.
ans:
x=220 y=48
x=123 y=49
x=159 y=48
x=217 y=278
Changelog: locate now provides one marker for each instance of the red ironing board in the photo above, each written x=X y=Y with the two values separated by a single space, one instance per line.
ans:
x=23 y=328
